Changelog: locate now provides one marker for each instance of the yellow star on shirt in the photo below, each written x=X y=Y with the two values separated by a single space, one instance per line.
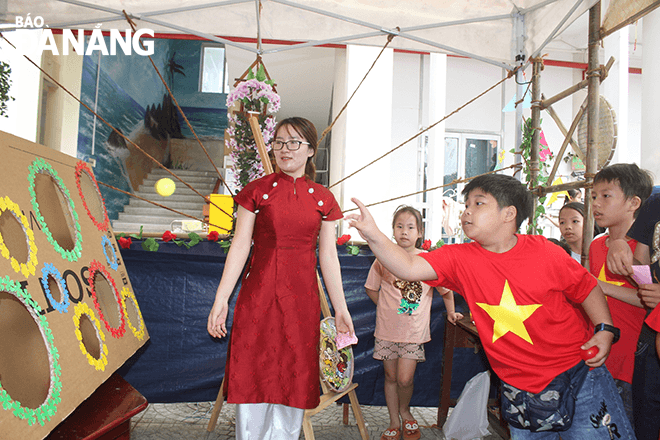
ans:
x=509 y=316
x=603 y=277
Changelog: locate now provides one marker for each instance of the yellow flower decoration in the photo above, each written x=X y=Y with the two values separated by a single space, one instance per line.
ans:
x=27 y=268
x=83 y=309
x=139 y=333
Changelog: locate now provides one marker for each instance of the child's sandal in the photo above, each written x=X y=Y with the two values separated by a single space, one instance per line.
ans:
x=411 y=430
x=391 y=434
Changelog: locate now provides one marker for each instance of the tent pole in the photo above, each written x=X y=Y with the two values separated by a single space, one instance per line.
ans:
x=593 y=96
x=519 y=53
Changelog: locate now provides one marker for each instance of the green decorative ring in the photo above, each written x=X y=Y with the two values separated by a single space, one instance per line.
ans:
x=46 y=410
x=40 y=165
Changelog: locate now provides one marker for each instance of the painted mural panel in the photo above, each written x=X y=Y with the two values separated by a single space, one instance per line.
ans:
x=127 y=92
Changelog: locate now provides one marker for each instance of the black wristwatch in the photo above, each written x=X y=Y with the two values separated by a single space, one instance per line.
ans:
x=610 y=328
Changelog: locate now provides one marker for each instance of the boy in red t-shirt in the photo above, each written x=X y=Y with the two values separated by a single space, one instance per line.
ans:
x=619 y=191
x=520 y=290
x=646 y=377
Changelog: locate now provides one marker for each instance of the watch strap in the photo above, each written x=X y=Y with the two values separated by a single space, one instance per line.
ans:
x=610 y=328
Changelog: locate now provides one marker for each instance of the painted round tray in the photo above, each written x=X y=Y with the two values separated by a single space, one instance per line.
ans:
x=336 y=365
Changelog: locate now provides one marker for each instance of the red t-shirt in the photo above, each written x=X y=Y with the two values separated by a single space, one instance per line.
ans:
x=520 y=304
x=628 y=318
x=653 y=320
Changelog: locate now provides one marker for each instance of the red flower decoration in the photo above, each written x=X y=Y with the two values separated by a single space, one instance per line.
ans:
x=213 y=236
x=341 y=366
x=343 y=239
x=168 y=236
x=125 y=242
x=426 y=245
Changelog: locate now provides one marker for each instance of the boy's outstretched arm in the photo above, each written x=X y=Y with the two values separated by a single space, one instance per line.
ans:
x=395 y=259
x=596 y=308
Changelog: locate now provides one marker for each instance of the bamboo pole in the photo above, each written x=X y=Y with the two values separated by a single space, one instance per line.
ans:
x=536 y=132
x=593 y=75
x=259 y=141
x=544 y=190
x=574 y=88
x=568 y=137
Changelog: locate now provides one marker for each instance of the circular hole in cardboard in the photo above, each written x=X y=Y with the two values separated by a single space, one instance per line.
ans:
x=92 y=197
x=24 y=361
x=133 y=313
x=55 y=288
x=14 y=236
x=90 y=337
x=107 y=300
x=54 y=207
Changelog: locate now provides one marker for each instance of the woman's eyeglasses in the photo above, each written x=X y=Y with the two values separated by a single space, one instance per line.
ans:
x=291 y=145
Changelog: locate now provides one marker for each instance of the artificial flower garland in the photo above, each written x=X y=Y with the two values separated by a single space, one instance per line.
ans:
x=82 y=167
x=27 y=268
x=127 y=294
x=50 y=270
x=41 y=166
x=256 y=94
x=107 y=244
x=95 y=267
x=46 y=410
x=83 y=309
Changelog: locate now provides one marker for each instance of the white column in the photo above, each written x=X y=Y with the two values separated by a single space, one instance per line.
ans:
x=368 y=130
x=615 y=89
x=436 y=168
x=650 y=150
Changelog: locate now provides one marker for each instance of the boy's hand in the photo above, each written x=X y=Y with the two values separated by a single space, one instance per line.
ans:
x=602 y=340
x=620 y=257
x=363 y=222
x=454 y=317
x=649 y=294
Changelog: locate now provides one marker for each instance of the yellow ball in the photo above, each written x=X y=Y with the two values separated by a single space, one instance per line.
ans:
x=165 y=187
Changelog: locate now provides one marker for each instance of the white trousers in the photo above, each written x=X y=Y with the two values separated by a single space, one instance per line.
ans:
x=268 y=421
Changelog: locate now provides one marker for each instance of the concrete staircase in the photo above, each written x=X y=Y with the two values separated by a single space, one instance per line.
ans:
x=156 y=220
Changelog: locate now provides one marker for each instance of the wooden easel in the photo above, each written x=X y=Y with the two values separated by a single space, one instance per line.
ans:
x=328 y=397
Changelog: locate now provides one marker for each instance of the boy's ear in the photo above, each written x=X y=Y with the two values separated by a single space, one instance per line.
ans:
x=510 y=213
x=635 y=203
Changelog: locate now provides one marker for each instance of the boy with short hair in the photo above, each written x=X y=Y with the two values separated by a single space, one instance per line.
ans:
x=618 y=192
x=518 y=288
x=646 y=377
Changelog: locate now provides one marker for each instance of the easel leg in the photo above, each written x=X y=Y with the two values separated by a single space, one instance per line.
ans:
x=217 y=407
x=307 y=427
x=357 y=412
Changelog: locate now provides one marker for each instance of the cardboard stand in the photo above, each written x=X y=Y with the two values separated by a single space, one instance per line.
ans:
x=68 y=314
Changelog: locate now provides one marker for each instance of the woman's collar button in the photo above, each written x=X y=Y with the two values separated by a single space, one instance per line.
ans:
x=274 y=184
x=311 y=190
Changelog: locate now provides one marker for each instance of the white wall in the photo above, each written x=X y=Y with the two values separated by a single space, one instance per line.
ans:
x=22 y=113
x=303 y=79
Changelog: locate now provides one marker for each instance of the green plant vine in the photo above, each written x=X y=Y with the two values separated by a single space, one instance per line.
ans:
x=542 y=178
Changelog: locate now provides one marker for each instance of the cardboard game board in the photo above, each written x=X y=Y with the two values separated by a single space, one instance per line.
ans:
x=68 y=313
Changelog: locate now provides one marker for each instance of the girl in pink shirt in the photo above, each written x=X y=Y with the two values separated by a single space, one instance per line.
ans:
x=403 y=313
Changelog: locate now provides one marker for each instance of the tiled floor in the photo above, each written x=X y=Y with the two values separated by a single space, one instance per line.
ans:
x=189 y=421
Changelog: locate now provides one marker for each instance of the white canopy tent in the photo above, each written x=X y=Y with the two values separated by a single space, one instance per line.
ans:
x=496 y=32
